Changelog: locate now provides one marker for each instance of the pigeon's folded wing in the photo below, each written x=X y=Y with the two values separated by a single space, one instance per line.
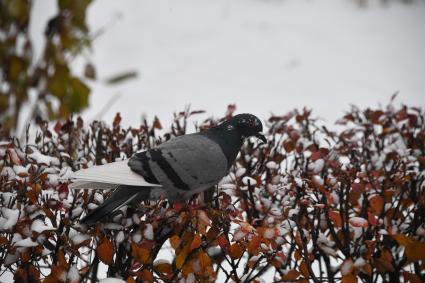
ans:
x=190 y=163
x=108 y=176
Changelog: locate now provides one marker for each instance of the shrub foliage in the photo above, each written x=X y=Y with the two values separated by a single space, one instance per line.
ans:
x=312 y=204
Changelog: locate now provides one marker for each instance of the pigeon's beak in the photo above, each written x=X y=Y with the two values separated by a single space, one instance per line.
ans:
x=261 y=137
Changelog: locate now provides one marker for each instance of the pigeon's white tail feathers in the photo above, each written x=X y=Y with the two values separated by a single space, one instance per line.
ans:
x=92 y=185
x=115 y=173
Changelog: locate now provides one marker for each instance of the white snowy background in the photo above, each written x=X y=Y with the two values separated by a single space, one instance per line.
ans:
x=264 y=55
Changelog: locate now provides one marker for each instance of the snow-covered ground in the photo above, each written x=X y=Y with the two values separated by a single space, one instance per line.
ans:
x=265 y=56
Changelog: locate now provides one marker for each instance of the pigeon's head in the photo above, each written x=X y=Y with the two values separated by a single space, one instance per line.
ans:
x=248 y=125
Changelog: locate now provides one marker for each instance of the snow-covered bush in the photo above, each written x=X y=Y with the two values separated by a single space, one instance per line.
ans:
x=312 y=204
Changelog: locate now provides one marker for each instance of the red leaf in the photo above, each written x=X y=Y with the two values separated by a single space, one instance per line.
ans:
x=58 y=126
x=105 y=251
x=117 y=120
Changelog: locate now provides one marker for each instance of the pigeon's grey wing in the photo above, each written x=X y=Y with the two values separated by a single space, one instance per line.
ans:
x=184 y=165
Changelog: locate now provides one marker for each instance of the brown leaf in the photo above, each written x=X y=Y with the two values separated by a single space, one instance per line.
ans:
x=288 y=145
x=164 y=267
x=223 y=243
x=157 y=124
x=105 y=251
x=292 y=275
x=376 y=203
x=236 y=250
x=180 y=259
x=254 y=245
x=411 y=277
x=335 y=217
x=304 y=269
x=90 y=71
x=14 y=156
x=146 y=276
x=141 y=254
x=350 y=278
x=204 y=260
x=117 y=120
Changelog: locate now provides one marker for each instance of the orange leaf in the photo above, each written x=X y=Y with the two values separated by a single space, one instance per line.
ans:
x=196 y=242
x=157 y=123
x=180 y=259
x=175 y=241
x=350 y=278
x=403 y=240
x=164 y=267
x=292 y=275
x=142 y=255
x=415 y=251
x=105 y=251
x=236 y=251
x=146 y=276
x=50 y=279
x=62 y=260
x=204 y=260
x=304 y=269
x=254 y=245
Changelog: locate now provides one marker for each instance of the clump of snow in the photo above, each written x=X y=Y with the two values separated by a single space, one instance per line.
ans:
x=358 y=222
x=79 y=238
x=8 y=218
x=73 y=275
x=39 y=226
x=119 y=238
x=248 y=181
x=318 y=165
x=359 y=262
x=112 y=280
x=238 y=235
x=240 y=171
x=270 y=233
x=26 y=243
x=213 y=251
x=148 y=233
x=40 y=158
x=227 y=186
x=271 y=165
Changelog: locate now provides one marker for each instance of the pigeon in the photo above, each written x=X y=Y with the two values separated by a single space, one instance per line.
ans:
x=176 y=169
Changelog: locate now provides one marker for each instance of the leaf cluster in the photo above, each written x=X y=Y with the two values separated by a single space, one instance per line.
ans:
x=310 y=205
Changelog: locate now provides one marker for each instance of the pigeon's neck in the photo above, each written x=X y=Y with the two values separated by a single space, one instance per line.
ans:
x=229 y=140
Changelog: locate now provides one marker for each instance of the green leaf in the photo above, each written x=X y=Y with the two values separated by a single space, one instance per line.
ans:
x=80 y=96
